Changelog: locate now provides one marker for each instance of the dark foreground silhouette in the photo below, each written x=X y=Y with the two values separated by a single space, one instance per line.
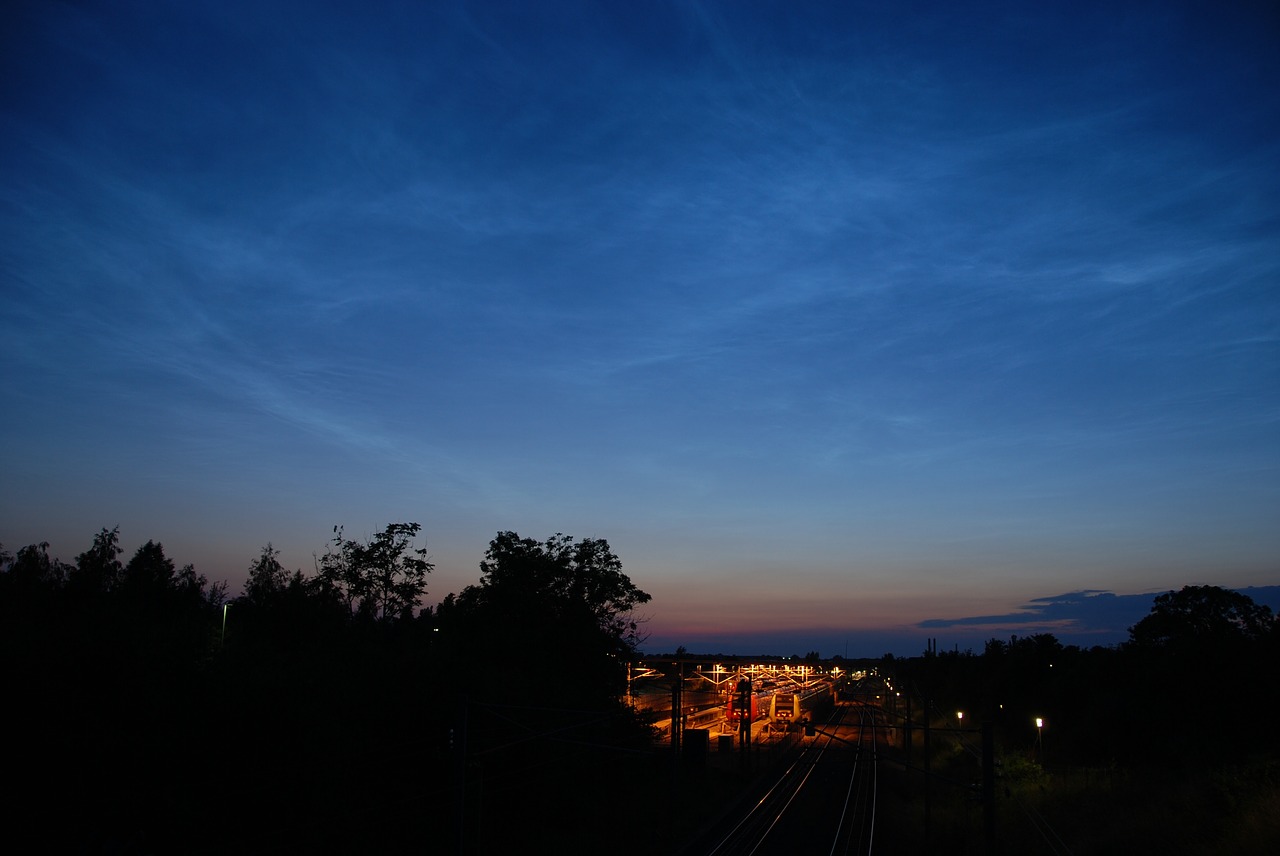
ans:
x=147 y=713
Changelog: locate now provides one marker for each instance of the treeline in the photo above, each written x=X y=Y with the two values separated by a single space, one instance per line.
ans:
x=1195 y=686
x=321 y=712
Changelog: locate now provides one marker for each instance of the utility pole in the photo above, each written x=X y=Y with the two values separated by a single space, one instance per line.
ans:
x=906 y=734
x=677 y=707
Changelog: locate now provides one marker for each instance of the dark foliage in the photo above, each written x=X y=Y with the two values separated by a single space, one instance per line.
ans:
x=561 y=601
x=383 y=578
x=312 y=714
x=323 y=714
x=1203 y=620
x=1203 y=656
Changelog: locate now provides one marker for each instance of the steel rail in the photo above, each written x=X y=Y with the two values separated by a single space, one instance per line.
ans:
x=855 y=828
x=750 y=833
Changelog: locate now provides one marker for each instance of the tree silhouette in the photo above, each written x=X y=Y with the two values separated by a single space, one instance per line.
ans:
x=267 y=577
x=149 y=573
x=384 y=578
x=98 y=569
x=32 y=569
x=562 y=600
x=1199 y=616
x=569 y=580
x=1197 y=631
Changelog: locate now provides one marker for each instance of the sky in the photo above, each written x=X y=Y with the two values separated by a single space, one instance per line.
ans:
x=848 y=325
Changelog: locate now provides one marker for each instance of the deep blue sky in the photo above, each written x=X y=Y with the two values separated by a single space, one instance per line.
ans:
x=847 y=324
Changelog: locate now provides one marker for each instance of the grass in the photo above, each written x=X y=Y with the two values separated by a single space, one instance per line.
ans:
x=1233 y=810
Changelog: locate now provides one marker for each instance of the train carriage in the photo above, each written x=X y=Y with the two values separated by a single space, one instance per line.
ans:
x=799 y=704
x=759 y=707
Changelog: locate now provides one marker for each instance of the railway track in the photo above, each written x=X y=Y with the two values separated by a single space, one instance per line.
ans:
x=822 y=801
x=855 y=830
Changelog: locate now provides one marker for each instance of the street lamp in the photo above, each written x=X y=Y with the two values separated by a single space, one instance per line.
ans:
x=1040 y=739
x=960 y=716
x=224 y=624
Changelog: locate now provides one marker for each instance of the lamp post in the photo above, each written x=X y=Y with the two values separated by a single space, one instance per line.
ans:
x=224 y=624
x=1040 y=739
x=960 y=717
